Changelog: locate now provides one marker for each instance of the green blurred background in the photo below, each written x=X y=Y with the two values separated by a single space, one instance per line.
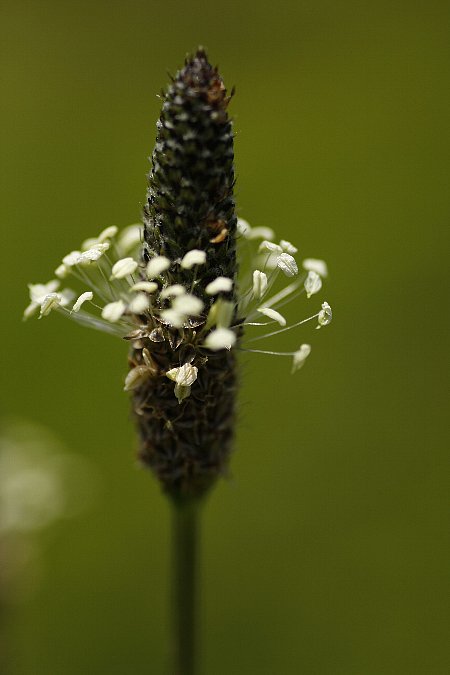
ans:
x=324 y=553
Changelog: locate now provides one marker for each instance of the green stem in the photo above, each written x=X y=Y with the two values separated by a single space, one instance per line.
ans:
x=185 y=587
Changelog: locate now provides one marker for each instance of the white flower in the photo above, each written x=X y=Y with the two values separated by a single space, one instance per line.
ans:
x=51 y=301
x=288 y=247
x=123 y=268
x=113 y=311
x=260 y=233
x=129 y=238
x=62 y=271
x=220 y=338
x=325 y=315
x=38 y=292
x=71 y=258
x=287 y=264
x=92 y=254
x=259 y=284
x=84 y=297
x=139 y=304
x=146 y=286
x=184 y=377
x=187 y=304
x=108 y=233
x=194 y=257
x=136 y=377
x=273 y=314
x=221 y=314
x=175 y=319
x=219 y=285
x=270 y=247
x=313 y=283
x=315 y=265
x=300 y=356
x=157 y=265
x=172 y=291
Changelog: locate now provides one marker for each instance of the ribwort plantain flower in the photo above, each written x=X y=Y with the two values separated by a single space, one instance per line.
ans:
x=171 y=288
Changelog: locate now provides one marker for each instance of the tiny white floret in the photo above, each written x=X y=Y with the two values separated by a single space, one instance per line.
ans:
x=157 y=265
x=220 y=338
x=185 y=375
x=172 y=291
x=123 y=268
x=313 y=283
x=175 y=319
x=146 y=286
x=129 y=238
x=219 y=285
x=139 y=304
x=221 y=314
x=84 y=297
x=51 y=301
x=300 y=357
x=325 y=315
x=288 y=247
x=136 y=377
x=273 y=314
x=194 y=257
x=187 y=304
x=113 y=311
x=270 y=247
x=287 y=264
x=316 y=265
x=259 y=284
x=261 y=233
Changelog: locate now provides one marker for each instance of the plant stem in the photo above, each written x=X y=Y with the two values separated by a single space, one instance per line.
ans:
x=185 y=586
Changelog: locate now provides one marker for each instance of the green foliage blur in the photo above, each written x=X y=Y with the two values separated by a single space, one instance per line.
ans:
x=324 y=552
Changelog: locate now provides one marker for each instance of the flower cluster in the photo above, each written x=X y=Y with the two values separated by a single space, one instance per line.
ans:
x=123 y=296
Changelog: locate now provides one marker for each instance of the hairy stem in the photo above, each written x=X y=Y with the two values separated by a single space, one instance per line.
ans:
x=185 y=587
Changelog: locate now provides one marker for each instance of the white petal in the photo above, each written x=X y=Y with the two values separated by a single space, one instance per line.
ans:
x=316 y=265
x=243 y=228
x=288 y=247
x=71 y=258
x=185 y=375
x=300 y=356
x=123 y=268
x=62 y=271
x=220 y=338
x=273 y=314
x=325 y=315
x=270 y=247
x=259 y=284
x=113 y=311
x=107 y=233
x=261 y=233
x=84 y=297
x=194 y=257
x=157 y=265
x=146 y=286
x=51 y=301
x=175 y=319
x=287 y=264
x=172 y=291
x=313 y=283
x=39 y=291
x=219 y=285
x=139 y=304
x=221 y=314
x=129 y=238
x=188 y=305
x=136 y=377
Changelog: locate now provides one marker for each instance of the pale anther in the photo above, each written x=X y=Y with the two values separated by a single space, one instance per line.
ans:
x=157 y=265
x=84 y=297
x=316 y=265
x=123 y=268
x=194 y=257
x=146 y=286
x=113 y=311
x=187 y=305
x=139 y=304
x=259 y=284
x=300 y=356
x=172 y=291
x=287 y=264
x=220 y=338
x=273 y=314
x=325 y=315
x=313 y=283
x=219 y=285
x=288 y=247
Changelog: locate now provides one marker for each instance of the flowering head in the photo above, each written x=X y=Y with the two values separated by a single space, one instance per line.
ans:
x=170 y=288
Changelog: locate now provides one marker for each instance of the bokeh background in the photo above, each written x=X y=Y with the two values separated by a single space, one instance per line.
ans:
x=324 y=553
